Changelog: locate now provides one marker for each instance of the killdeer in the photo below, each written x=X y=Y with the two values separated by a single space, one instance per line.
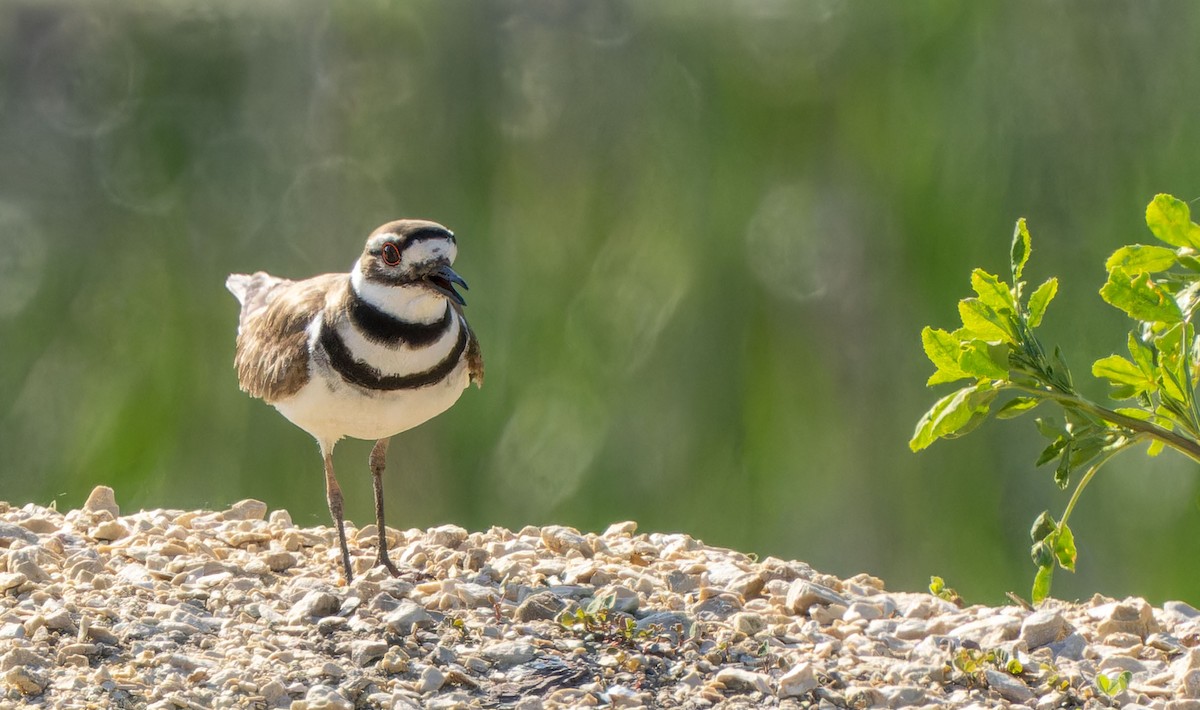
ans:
x=367 y=354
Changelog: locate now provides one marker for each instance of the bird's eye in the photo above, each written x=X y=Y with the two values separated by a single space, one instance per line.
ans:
x=391 y=255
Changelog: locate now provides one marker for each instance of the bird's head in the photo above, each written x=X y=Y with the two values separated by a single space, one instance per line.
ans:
x=412 y=252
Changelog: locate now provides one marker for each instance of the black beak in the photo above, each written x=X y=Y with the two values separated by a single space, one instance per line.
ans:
x=443 y=279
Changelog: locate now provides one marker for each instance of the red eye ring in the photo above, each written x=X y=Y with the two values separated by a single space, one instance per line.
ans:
x=391 y=255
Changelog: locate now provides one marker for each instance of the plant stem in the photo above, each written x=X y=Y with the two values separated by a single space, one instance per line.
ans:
x=1183 y=444
x=1087 y=477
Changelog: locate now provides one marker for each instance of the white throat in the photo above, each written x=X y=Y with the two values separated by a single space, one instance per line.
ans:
x=415 y=304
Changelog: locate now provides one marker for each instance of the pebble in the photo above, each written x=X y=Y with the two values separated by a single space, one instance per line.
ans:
x=366 y=651
x=560 y=539
x=507 y=653
x=803 y=595
x=1042 y=628
x=1009 y=688
x=108 y=530
x=323 y=697
x=431 y=681
x=744 y=680
x=11 y=580
x=447 y=536
x=26 y=680
x=238 y=608
x=102 y=498
x=543 y=605
x=315 y=604
x=406 y=616
x=801 y=679
x=1131 y=616
x=248 y=509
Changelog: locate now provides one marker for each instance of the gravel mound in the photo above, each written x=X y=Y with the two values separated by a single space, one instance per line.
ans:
x=237 y=608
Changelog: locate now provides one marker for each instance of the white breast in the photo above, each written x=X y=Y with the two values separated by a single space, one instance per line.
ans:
x=329 y=408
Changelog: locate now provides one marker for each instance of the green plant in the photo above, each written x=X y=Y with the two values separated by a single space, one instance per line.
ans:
x=1114 y=685
x=996 y=349
x=597 y=622
x=938 y=588
x=973 y=664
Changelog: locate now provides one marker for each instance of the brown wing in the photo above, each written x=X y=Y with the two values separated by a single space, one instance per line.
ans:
x=474 y=352
x=474 y=358
x=272 y=342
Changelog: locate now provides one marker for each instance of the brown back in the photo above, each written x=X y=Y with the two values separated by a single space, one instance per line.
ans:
x=272 y=351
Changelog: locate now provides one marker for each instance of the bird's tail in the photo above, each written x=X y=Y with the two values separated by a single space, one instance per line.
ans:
x=239 y=285
x=252 y=291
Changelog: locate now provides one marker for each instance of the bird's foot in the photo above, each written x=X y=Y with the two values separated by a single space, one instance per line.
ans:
x=381 y=560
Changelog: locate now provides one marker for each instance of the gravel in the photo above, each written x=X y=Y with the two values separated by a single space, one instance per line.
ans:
x=241 y=608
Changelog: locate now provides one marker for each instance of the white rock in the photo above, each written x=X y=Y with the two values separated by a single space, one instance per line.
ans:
x=431 y=680
x=507 y=653
x=108 y=531
x=11 y=580
x=560 y=539
x=1189 y=684
x=748 y=623
x=315 y=604
x=741 y=679
x=804 y=594
x=447 y=536
x=1008 y=687
x=324 y=697
x=1042 y=628
x=364 y=651
x=799 y=680
x=407 y=614
x=248 y=509
x=1131 y=616
x=628 y=527
x=102 y=498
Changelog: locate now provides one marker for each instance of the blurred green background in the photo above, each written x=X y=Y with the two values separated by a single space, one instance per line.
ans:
x=701 y=238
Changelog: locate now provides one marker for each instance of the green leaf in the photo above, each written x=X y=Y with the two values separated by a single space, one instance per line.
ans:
x=1059 y=371
x=954 y=415
x=984 y=360
x=1140 y=297
x=1043 y=527
x=984 y=323
x=1136 y=258
x=1156 y=447
x=1120 y=371
x=943 y=350
x=1051 y=427
x=1115 y=685
x=1017 y=406
x=1188 y=262
x=1064 y=548
x=1051 y=452
x=993 y=292
x=936 y=585
x=1041 y=583
x=1042 y=554
x=1040 y=300
x=1170 y=220
x=1062 y=474
x=1021 y=246
x=1142 y=354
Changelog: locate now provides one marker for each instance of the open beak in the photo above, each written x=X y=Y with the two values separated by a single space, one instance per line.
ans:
x=444 y=279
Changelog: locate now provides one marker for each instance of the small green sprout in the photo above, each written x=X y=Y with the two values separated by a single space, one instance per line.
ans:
x=938 y=588
x=1113 y=686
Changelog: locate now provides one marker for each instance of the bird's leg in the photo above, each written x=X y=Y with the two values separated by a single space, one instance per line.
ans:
x=378 y=464
x=333 y=494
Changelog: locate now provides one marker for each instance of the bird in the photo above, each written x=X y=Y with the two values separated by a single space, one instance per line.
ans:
x=366 y=354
